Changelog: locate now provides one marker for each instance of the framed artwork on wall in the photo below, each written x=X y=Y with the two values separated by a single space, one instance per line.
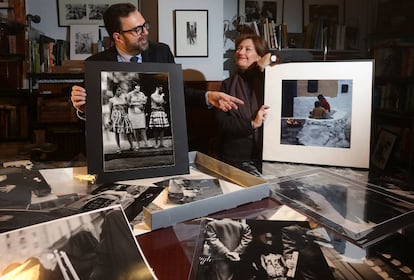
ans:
x=81 y=39
x=136 y=124
x=297 y=130
x=259 y=9
x=332 y=10
x=191 y=33
x=383 y=148
x=73 y=12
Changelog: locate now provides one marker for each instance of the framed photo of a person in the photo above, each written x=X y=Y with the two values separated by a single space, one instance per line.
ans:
x=191 y=33
x=135 y=120
x=81 y=39
x=73 y=12
x=332 y=11
x=320 y=113
x=258 y=9
x=383 y=148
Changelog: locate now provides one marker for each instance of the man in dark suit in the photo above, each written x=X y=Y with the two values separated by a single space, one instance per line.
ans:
x=129 y=31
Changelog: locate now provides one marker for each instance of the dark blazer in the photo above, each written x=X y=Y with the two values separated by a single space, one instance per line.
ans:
x=158 y=53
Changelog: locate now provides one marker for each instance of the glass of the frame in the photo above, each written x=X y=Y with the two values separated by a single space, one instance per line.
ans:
x=136 y=126
x=361 y=212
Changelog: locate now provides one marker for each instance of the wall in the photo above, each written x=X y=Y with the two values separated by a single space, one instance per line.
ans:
x=357 y=13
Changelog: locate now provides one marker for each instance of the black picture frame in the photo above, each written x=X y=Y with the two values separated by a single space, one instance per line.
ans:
x=256 y=10
x=147 y=162
x=332 y=10
x=191 y=33
x=80 y=12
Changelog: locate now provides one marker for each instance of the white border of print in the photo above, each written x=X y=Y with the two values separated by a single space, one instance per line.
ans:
x=92 y=36
x=361 y=73
x=182 y=47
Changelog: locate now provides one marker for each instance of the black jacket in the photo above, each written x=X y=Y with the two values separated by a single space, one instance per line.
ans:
x=158 y=53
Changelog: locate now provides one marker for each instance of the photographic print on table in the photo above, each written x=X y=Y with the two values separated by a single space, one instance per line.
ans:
x=319 y=113
x=257 y=249
x=93 y=245
x=81 y=39
x=363 y=213
x=383 y=148
x=182 y=190
x=191 y=33
x=78 y=12
x=260 y=9
x=332 y=11
x=136 y=120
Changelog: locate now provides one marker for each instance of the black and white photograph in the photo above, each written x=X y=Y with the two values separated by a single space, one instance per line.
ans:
x=182 y=190
x=259 y=10
x=191 y=33
x=93 y=245
x=361 y=212
x=89 y=12
x=316 y=113
x=132 y=198
x=21 y=186
x=332 y=11
x=81 y=39
x=138 y=120
x=257 y=249
x=319 y=113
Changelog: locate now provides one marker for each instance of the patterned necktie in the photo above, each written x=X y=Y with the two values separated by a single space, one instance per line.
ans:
x=134 y=59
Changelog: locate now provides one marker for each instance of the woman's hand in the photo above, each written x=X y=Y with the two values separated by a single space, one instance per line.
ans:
x=260 y=116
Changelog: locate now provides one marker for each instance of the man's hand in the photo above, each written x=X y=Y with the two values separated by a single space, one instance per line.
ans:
x=78 y=98
x=223 y=101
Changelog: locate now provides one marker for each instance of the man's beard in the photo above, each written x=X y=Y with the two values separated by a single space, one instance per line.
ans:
x=140 y=46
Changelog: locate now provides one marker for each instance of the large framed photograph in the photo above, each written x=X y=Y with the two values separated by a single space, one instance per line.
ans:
x=74 y=12
x=383 y=148
x=135 y=124
x=361 y=212
x=320 y=113
x=258 y=9
x=81 y=39
x=191 y=33
x=332 y=11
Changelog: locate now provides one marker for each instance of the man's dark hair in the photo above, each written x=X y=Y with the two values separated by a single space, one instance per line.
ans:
x=317 y=103
x=113 y=14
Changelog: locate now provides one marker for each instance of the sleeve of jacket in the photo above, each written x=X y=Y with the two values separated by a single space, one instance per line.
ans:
x=230 y=123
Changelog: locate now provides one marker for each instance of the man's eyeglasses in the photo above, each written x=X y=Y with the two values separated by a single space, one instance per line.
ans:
x=138 y=29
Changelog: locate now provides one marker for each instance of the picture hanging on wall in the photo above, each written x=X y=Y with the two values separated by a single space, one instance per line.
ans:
x=319 y=113
x=136 y=120
x=191 y=33
x=73 y=12
x=81 y=39
x=330 y=10
x=257 y=10
x=383 y=148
